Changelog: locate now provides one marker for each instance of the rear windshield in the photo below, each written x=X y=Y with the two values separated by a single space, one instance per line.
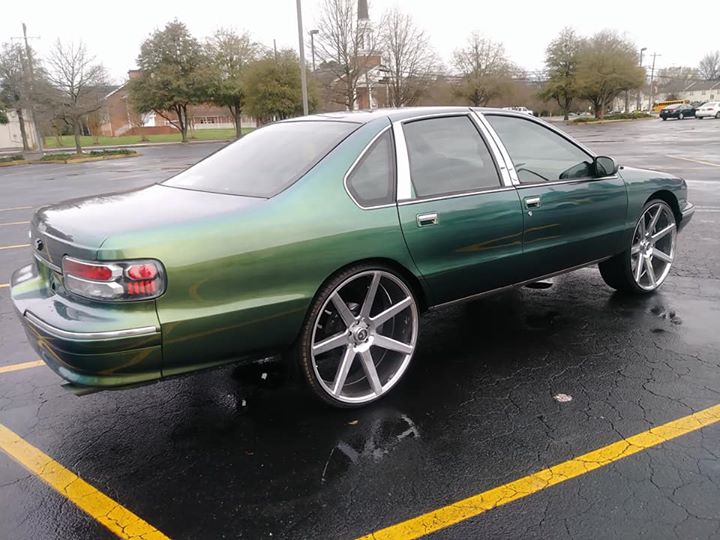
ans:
x=266 y=161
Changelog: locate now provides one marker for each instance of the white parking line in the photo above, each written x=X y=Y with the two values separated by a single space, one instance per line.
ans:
x=696 y=161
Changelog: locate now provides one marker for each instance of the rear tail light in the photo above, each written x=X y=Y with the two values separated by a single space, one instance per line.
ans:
x=117 y=280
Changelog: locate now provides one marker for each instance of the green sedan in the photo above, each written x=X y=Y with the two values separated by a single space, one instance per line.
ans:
x=323 y=239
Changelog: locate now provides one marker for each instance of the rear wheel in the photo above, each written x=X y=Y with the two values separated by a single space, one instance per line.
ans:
x=717 y=115
x=359 y=337
x=643 y=267
x=681 y=116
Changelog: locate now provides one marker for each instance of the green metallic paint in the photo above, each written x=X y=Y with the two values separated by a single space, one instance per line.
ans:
x=242 y=272
x=475 y=246
x=576 y=222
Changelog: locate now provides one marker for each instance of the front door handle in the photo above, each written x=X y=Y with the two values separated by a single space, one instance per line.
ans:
x=532 y=202
x=430 y=218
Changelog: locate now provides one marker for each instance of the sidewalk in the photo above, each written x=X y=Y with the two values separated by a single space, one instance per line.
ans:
x=71 y=149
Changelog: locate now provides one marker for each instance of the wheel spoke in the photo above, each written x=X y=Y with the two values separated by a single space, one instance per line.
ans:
x=390 y=344
x=654 y=220
x=343 y=370
x=343 y=310
x=370 y=296
x=639 y=268
x=390 y=312
x=642 y=227
x=651 y=273
x=333 y=342
x=635 y=249
x=663 y=232
x=662 y=255
x=370 y=372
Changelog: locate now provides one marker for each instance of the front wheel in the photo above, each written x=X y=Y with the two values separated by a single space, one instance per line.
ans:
x=681 y=116
x=643 y=267
x=359 y=336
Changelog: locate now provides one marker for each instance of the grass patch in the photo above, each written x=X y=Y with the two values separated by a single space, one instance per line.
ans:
x=620 y=116
x=88 y=141
x=93 y=154
x=9 y=159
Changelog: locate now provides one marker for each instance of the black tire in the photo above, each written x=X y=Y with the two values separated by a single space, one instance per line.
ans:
x=617 y=271
x=664 y=118
x=699 y=117
x=717 y=115
x=301 y=352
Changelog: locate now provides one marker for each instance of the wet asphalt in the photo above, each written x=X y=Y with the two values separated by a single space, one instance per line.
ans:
x=228 y=454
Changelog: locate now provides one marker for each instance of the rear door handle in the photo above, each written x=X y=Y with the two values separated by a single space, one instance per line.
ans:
x=424 y=220
x=532 y=202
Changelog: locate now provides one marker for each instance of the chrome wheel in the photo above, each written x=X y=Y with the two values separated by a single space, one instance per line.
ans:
x=653 y=246
x=681 y=116
x=364 y=337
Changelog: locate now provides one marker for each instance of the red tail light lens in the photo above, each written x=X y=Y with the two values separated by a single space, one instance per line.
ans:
x=117 y=280
x=95 y=272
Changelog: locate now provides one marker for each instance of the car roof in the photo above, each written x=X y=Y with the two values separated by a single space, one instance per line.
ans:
x=364 y=117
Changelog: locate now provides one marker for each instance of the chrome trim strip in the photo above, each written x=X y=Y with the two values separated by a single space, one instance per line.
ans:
x=356 y=163
x=402 y=160
x=454 y=196
x=43 y=260
x=90 y=336
x=520 y=284
x=503 y=151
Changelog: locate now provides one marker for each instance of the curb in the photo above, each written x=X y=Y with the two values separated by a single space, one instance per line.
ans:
x=84 y=159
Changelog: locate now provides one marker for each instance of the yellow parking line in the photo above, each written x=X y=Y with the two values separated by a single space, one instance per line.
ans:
x=697 y=161
x=15 y=246
x=4 y=285
x=477 y=504
x=15 y=208
x=118 y=519
x=15 y=223
x=19 y=367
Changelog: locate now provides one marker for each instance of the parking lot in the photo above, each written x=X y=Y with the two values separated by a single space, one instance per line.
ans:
x=500 y=390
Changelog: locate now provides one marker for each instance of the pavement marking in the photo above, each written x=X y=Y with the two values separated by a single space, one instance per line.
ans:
x=697 y=161
x=14 y=223
x=475 y=505
x=4 y=285
x=115 y=517
x=15 y=208
x=15 y=246
x=21 y=366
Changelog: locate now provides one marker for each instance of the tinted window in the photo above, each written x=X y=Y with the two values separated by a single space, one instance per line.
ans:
x=447 y=155
x=538 y=153
x=373 y=179
x=266 y=161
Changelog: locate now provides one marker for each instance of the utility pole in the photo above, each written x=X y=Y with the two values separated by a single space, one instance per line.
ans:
x=639 y=94
x=29 y=89
x=301 y=45
x=651 y=99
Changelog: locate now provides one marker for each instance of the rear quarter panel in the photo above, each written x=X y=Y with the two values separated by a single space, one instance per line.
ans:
x=241 y=285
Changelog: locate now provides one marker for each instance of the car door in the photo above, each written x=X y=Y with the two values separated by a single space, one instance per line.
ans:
x=571 y=217
x=460 y=215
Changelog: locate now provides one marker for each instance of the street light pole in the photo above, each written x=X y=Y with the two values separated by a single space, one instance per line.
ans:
x=651 y=98
x=312 y=46
x=639 y=94
x=301 y=46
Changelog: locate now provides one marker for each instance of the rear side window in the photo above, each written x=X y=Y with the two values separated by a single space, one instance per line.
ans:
x=372 y=181
x=448 y=156
x=266 y=161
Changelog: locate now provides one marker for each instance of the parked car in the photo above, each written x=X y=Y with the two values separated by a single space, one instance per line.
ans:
x=524 y=110
x=711 y=109
x=677 y=110
x=325 y=238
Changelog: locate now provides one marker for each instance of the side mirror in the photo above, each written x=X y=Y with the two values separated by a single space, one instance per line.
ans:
x=605 y=166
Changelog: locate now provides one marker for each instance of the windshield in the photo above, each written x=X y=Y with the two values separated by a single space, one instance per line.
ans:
x=266 y=161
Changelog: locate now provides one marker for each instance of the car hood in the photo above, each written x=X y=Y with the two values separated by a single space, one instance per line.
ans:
x=79 y=227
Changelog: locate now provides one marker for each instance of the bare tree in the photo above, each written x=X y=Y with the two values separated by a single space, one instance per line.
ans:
x=709 y=67
x=346 y=46
x=485 y=70
x=410 y=58
x=81 y=84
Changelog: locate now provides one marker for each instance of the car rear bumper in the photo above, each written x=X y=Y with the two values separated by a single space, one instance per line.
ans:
x=85 y=343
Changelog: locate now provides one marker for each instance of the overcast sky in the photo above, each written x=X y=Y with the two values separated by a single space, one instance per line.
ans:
x=113 y=31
